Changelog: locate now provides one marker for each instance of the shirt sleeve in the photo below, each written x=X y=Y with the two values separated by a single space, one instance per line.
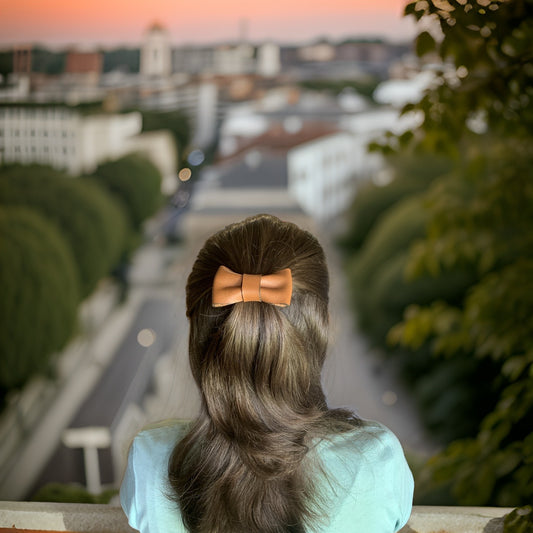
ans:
x=376 y=491
x=127 y=490
x=394 y=483
x=145 y=494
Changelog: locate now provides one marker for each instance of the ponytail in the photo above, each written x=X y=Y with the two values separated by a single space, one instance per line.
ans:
x=244 y=466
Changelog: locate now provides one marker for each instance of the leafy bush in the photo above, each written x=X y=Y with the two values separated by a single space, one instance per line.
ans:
x=39 y=294
x=519 y=520
x=71 y=493
x=136 y=183
x=91 y=222
x=393 y=232
x=381 y=293
x=412 y=174
x=176 y=122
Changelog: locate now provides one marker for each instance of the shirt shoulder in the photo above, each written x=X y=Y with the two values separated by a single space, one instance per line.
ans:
x=159 y=439
x=367 y=480
x=145 y=493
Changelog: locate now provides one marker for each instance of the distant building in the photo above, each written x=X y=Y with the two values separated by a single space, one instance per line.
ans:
x=320 y=52
x=398 y=92
x=76 y=141
x=193 y=60
x=63 y=137
x=234 y=59
x=17 y=85
x=228 y=59
x=323 y=173
x=268 y=60
x=83 y=68
x=83 y=63
x=199 y=101
x=22 y=59
x=361 y=51
x=156 y=54
x=16 y=90
x=324 y=142
x=317 y=164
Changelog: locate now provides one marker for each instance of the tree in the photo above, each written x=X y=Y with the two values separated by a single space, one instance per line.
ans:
x=48 y=61
x=176 y=122
x=122 y=59
x=410 y=173
x=381 y=293
x=480 y=112
x=6 y=64
x=39 y=294
x=136 y=183
x=93 y=224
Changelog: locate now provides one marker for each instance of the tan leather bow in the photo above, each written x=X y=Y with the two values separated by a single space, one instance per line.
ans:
x=230 y=287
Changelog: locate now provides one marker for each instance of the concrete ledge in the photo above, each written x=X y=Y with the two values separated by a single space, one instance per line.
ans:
x=35 y=517
x=427 y=519
x=73 y=517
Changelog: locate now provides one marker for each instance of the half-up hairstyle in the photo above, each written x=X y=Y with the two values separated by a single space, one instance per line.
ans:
x=243 y=466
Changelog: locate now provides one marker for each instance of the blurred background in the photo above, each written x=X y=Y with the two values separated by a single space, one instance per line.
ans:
x=400 y=133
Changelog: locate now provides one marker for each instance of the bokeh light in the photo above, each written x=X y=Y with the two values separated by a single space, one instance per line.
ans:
x=185 y=174
x=146 y=337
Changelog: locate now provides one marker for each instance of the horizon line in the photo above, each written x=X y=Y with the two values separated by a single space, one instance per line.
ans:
x=404 y=39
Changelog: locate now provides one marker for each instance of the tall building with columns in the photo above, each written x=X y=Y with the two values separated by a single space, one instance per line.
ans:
x=156 y=53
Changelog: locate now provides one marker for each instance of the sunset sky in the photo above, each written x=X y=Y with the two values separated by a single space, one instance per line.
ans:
x=112 y=22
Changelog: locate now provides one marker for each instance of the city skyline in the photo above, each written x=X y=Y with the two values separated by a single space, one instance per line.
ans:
x=60 y=23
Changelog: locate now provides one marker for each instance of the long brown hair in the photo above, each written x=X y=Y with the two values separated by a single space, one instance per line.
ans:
x=244 y=467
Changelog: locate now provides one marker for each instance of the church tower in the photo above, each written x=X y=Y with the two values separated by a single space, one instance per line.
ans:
x=156 y=54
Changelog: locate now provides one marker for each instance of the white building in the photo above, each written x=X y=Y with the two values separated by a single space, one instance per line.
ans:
x=398 y=92
x=228 y=59
x=234 y=59
x=268 y=60
x=323 y=174
x=76 y=142
x=156 y=53
x=17 y=88
x=63 y=137
x=325 y=142
x=204 y=114
x=320 y=51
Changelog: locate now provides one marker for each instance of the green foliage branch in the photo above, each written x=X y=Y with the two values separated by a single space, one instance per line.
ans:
x=481 y=113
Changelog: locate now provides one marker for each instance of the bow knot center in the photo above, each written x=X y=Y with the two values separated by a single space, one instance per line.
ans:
x=251 y=287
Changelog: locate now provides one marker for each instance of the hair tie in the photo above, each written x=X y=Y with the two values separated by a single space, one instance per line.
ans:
x=230 y=287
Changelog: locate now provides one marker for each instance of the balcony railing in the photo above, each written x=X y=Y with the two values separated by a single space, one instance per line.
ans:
x=35 y=517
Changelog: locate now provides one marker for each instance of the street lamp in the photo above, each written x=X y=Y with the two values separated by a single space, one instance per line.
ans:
x=90 y=439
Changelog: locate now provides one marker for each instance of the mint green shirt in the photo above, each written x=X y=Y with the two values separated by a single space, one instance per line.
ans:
x=369 y=487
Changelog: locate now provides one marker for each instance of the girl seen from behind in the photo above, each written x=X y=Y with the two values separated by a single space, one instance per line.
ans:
x=266 y=454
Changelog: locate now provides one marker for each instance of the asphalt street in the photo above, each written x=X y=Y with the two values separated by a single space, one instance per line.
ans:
x=127 y=379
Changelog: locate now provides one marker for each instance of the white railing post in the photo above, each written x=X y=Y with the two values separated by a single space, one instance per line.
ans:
x=90 y=439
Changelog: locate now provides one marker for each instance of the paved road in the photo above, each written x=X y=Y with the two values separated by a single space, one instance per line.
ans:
x=127 y=379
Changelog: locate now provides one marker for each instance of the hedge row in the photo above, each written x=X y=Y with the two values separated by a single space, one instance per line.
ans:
x=59 y=236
